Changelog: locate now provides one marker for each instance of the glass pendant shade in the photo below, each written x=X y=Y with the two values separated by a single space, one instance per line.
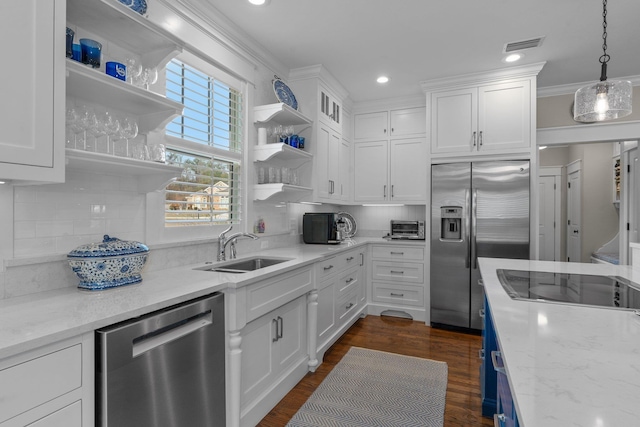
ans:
x=605 y=100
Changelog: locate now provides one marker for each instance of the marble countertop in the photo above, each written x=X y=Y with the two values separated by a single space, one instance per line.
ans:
x=34 y=320
x=567 y=365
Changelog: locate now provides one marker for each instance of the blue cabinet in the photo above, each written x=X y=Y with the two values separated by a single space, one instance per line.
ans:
x=497 y=401
x=488 y=377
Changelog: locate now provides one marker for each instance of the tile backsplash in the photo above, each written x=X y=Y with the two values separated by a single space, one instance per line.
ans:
x=56 y=218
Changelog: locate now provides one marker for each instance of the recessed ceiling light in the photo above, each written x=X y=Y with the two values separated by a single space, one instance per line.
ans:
x=382 y=79
x=513 y=57
x=259 y=2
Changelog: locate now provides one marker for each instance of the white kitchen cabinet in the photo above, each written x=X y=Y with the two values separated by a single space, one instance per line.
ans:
x=390 y=171
x=49 y=386
x=399 y=123
x=397 y=280
x=340 y=296
x=485 y=119
x=320 y=97
x=32 y=115
x=280 y=155
x=271 y=346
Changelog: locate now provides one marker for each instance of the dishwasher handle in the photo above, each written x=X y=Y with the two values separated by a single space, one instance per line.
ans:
x=172 y=332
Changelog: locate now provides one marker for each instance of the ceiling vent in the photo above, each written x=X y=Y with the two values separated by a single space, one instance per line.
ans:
x=523 y=44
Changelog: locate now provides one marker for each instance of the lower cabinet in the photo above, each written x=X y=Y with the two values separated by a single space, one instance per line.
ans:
x=397 y=280
x=272 y=345
x=497 y=400
x=51 y=386
x=341 y=296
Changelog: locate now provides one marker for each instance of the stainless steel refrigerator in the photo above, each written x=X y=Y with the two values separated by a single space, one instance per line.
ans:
x=478 y=209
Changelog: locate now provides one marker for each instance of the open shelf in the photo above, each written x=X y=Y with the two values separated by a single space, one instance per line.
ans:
x=151 y=110
x=280 y=192
x=279 y=113
x=126 y=28
x=282 y=151
x=152 y=176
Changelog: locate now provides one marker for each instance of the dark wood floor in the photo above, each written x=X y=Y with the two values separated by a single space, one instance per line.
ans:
x=403 y=336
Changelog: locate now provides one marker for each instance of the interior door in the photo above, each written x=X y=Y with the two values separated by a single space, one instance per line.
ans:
x=574 y=216
x=547 y=227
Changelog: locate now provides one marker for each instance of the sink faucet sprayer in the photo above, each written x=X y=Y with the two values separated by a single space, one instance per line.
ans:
x=223 y=240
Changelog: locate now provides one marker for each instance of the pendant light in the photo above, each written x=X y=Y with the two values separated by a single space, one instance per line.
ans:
x=607 y=99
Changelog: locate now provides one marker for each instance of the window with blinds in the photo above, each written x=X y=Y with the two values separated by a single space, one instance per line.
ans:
x=206 y=140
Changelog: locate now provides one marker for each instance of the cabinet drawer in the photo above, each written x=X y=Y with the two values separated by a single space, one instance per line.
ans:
x=348 y=281
x=408 y=272
x=351 y=258
x=34 y=382
x=329 y=267
x=69 y=416
x=346 y=306
x=402 y=253
x=266 y=296
x=398 y=294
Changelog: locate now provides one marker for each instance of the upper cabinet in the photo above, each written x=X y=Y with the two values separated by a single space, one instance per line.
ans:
x=32 y=116
x=320 y=96
x=485 y=114
x=389 y=156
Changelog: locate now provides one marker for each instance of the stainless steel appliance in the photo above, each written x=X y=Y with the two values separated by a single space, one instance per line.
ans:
x=565 y=288
x=406 y=230
x=321 y=228
x=478 y=209
x=165 y=369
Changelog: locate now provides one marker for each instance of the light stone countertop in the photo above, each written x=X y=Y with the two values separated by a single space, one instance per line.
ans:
x=567 y=365
x=35 y=320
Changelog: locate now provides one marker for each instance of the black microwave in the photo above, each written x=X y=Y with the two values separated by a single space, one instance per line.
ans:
x=320 y=228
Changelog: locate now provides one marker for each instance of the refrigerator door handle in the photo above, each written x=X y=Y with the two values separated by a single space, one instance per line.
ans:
x=474 y=223
x=467 y=236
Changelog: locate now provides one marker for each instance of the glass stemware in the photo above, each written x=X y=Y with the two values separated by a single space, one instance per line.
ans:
x=111 y=126
x=70 y=127
x=96 y=128
x=129 y=130
x=83 y=113
x=134 y=68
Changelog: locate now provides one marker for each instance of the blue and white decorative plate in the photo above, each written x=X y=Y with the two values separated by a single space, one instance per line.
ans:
x=139 y=6
x=284 y=94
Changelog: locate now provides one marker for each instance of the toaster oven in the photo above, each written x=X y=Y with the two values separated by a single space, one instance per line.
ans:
x=407 y=230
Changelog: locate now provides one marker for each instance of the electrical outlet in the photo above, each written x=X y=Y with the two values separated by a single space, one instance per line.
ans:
x=264 y=244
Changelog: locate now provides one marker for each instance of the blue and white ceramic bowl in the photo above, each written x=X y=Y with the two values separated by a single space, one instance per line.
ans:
x=110 y=263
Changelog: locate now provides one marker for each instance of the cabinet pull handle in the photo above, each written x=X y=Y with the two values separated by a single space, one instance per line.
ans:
x=396 y=272
x=349 y=306
x=498 y=366
x=350 y=259
x=276 y=337
x=384 y=131
x=396 y=295
x=479 y=140
x=281 y=322
x=481 y=354
x=361 y=259
x=392 y=190
x=384 y=191
x=349 y=280
x=396 y=253
x=329 y=267
x=474 y=139
x=392 y=130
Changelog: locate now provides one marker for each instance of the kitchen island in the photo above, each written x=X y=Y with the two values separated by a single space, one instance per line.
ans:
x=567 y=365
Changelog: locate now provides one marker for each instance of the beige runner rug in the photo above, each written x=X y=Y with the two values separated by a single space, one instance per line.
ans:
x=376 y=388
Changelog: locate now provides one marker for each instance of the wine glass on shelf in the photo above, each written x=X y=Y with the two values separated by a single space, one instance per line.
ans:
x=134 y=68
x=70 y=127
x=96 y=128
x=83 y=114
x=128 y=131
x=150 y=76
x=111 y=127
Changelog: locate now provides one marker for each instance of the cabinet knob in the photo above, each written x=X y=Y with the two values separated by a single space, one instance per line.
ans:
x=349 y=305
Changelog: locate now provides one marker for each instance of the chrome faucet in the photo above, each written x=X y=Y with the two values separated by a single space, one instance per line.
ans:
x=223 y=240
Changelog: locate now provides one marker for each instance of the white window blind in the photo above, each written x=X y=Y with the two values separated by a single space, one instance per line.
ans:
x=206 y=140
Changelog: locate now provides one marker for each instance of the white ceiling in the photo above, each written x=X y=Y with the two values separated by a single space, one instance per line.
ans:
x=417 y=40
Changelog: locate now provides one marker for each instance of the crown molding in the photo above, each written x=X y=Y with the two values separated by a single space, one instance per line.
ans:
x=319 y=71
x=501 y=74
x=418 y=100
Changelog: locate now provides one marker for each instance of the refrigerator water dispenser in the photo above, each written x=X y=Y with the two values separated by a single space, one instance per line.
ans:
x=451 y=223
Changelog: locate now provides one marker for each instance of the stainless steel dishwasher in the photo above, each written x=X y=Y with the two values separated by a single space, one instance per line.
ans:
x=164 y=369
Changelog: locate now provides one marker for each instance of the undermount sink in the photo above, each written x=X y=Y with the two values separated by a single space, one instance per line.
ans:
x=244 y=265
